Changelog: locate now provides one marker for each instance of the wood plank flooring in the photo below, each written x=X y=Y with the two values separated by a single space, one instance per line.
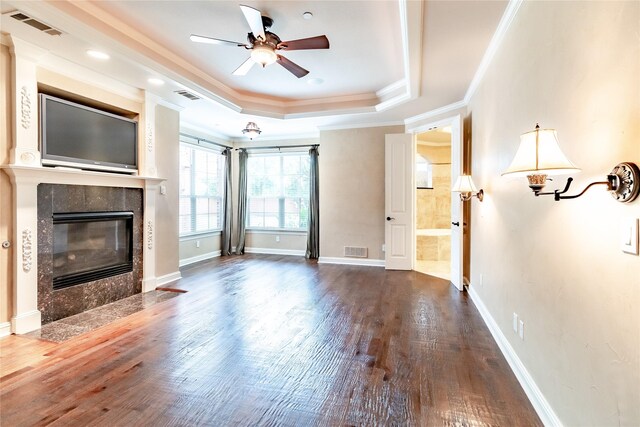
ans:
x=264 y=340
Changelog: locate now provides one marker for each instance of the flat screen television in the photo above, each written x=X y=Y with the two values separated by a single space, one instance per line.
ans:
x=78 y=136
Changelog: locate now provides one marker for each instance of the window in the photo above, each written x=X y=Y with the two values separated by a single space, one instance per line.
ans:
x=278 y=191
x=201 y=189
x=424 y=173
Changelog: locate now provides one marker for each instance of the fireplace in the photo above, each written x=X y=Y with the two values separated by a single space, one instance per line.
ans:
x=88 y=246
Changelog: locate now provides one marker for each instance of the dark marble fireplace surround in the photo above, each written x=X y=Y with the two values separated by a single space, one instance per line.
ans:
x=59 y=198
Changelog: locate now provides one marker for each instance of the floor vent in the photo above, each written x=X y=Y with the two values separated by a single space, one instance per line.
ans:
x=355 y=252
x=188 y=95
x=34 y=23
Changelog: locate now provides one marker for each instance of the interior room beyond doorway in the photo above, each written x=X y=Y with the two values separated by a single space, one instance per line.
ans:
x=433 y=202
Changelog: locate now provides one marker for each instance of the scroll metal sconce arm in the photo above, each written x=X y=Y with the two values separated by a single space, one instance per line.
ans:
x=623 y=182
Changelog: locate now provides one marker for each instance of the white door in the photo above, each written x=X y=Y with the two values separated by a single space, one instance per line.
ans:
x=398 y=196
x=457 y=223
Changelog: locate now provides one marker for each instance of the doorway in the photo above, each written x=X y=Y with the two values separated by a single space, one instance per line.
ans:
x=433 y=202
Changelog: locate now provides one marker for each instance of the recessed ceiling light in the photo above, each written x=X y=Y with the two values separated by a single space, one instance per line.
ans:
x=307 y=15
x=315 y=81
x=96 y=54
x=155 y=81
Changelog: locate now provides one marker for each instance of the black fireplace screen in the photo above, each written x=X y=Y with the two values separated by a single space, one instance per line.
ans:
x=88 y=246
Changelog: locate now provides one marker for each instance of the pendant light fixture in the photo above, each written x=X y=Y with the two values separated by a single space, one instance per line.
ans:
x=251 y=130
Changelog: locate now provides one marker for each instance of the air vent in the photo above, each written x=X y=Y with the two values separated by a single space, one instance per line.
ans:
x=19 y=16
x=355 y=252
x=188 y=95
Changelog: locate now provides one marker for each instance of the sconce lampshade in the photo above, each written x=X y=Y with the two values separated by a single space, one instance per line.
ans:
x=467 y=189
x=540 y=153
x=464 y=184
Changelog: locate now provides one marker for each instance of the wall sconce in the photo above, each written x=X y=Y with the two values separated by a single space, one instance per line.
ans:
x=251 y=130
x=467 y=189
x=539 y=155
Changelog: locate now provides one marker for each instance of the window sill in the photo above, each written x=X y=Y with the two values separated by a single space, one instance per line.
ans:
x=276 y=231
x=194 y=236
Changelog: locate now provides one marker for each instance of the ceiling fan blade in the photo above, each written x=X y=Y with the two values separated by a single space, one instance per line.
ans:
x=254 y=19
x=244 y=68
x=318 y=42
x=292 y=67
x=210 y=40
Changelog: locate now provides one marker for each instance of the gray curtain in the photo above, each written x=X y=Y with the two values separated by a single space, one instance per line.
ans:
x=313 y=234
x=242 y=199
x=226 y=204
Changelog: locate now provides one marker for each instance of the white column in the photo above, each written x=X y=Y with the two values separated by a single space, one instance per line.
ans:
x=149 y=148
x=148 y=168
x=25 y=152
x=26 y=316
x=24 y=87
x=149 y=253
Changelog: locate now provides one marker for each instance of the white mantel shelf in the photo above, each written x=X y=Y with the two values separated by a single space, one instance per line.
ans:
x=52 y=175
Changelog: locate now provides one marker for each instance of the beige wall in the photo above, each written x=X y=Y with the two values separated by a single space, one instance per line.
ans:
x=6 y=199
x=351 y=164
x=199 y=247
x=167 y=161
x=575 y=67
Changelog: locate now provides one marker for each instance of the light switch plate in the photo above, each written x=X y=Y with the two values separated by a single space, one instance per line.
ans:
x=629 y=236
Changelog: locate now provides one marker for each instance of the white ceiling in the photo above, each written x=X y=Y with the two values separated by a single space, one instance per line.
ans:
x=388 y=60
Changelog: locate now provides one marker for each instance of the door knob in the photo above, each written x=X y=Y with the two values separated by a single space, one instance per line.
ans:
x=389 y=218
x=457 y=224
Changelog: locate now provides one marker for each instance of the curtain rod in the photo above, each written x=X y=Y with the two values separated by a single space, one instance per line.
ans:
x=273 y=147
x=204 y=140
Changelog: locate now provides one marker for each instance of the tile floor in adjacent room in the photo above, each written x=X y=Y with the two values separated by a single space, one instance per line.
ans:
x=441 y=269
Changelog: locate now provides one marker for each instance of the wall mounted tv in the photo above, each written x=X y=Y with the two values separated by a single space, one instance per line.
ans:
x=75 y=135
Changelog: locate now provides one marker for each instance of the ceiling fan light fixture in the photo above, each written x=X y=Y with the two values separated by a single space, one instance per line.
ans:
x=251 y=130
x=263 y=55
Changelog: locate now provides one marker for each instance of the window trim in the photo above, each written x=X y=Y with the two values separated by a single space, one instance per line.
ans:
x=271 y=230
x=211 y=149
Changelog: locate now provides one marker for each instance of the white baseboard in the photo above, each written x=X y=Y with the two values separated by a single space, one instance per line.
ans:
x=537 y=399
x=168 y=278
x=5 y=329
x=199 y=258
x=351 y=261
x=26 y=322
x=271 y=251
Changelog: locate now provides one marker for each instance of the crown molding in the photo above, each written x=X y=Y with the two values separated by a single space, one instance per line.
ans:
x=505 y=22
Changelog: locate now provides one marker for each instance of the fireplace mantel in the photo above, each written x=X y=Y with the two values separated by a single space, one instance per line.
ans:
x=70 y=176
x=25 y=180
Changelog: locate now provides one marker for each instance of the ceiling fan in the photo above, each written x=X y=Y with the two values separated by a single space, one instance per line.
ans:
x=263 y=44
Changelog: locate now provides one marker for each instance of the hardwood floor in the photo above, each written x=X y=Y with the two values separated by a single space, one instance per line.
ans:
x=270 y=340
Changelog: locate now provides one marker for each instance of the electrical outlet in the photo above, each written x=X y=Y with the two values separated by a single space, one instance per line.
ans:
x=515 y=323
x=277 y=238
x=383 y=247
x=521 y=330
x=197 y=243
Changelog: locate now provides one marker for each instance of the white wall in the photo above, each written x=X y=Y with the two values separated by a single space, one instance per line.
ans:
x=575 y=67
